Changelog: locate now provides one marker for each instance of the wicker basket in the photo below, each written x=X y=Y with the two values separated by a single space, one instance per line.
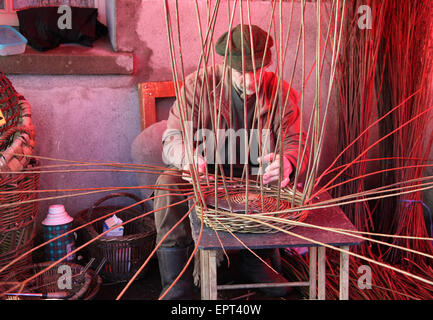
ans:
x=228 y=213
x=94 y=285
x=10 y=254
x=17 y=223
x=124 y=255
x=48 y=281
x=16 y=145
x=17 y=136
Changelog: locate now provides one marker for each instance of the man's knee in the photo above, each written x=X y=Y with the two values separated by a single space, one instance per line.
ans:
x=169 y=177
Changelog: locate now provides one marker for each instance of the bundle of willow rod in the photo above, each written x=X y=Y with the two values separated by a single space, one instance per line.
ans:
x=400 y=72
x=407 y=65
x=354 y=92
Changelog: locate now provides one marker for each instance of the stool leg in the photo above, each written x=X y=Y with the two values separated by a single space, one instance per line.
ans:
x=344 y=274
x=208 y=274
x=321 y=265
x=313 y=272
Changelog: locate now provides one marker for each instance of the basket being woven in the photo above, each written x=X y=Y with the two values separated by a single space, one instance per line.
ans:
x=226 y=211
x=125 y=254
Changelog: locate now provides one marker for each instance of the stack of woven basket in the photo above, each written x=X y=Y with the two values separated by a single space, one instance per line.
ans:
x=18 y=210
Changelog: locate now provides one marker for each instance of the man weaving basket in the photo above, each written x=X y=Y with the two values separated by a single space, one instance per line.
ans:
x=236 y=97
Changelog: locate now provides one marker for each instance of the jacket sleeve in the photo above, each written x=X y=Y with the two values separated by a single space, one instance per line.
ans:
x=174 y=139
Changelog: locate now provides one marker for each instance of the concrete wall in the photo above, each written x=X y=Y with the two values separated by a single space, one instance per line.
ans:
x=83 y=118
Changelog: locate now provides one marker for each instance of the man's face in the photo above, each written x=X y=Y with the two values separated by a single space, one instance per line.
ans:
x=251 y=80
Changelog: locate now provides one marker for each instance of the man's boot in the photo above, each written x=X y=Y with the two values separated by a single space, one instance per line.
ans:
x=255 y=271
x=171 y=261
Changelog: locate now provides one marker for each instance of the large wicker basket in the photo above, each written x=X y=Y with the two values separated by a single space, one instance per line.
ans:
x=18 y=205
x=17 y=136
x=125 y=254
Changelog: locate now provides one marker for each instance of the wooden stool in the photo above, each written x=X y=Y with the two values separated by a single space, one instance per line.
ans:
x=327 y=217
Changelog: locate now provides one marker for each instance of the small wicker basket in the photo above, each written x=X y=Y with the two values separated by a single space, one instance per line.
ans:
x=48 y=281
x=125 y=254
x=227 y=213
x=94 y=285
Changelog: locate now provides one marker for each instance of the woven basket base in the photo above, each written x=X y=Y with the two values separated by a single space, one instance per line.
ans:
x=227 y=213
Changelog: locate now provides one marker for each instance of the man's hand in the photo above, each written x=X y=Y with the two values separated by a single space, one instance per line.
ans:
x=272 y=171
x=200 y=165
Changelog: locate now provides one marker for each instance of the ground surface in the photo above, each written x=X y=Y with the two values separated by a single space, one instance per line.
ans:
x=149 y=287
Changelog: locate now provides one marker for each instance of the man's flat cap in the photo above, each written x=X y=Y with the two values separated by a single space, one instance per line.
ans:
x=261 y=44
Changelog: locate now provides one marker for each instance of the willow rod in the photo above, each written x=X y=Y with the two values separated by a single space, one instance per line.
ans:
x=325 y=172
x=332 y=76
x=346 y=232
x=181 y=110
x=378 y=141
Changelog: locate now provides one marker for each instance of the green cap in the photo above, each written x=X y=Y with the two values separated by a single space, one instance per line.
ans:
x=259 y=45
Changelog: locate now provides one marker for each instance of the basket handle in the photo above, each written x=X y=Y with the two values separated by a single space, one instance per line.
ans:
x=8 y=133
x=114 y=195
